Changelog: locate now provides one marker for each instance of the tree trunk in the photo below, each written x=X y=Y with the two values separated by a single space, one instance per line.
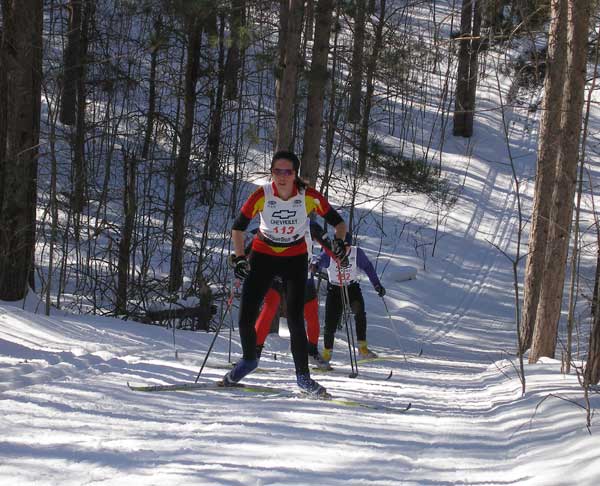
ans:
x=129 y=210
x=592 y=365
x=233 y=63
x=211 y=174
x=310 y=20
x=194 y=38
x=22 y=60
x=286 y=87
x=471 y=92
x=316 y=92
x=79 y=165
x=3 y=94
x=550 y=300
x=596 y=282
x=550 y=136
x=363 y=148
x=463 y=75
x=357 y=62
x=284 y=15
x=154 y=48
x=71 y=63
x=333 y=113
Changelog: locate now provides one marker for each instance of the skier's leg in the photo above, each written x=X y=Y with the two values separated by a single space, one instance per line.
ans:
x=267 y=313
x=253 y=291
x=357 y=305
x=333 y=314
x=295 y=279
x=311 y=314
x=295 y=285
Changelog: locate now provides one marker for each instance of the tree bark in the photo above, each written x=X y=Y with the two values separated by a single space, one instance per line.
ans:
x=78 y=198
x=286 y=87
x=211 y=174
x=310 y=20
x=550 y=136
x=3 y=92
x=363 y=148
x=313 y=128
x=463 y=73
x=557 y=247
x=592 y=365
x=129 y=210
x=22 y=60
x=284 y=15
x=357 y=62
x=233 y=63
x=194 y=38
x=154 y=48
x=72 y=61
x=471 y=92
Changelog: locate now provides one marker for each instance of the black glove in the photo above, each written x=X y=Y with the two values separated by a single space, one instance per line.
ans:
x=338 y=248
x=380 y=290
x=241 y=267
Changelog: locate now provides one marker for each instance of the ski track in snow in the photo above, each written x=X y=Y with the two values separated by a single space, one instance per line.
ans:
x=83 y=426
x=496 y=205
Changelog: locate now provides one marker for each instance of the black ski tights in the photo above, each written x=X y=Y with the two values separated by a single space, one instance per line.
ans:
x=334 y=309
x=293 y=272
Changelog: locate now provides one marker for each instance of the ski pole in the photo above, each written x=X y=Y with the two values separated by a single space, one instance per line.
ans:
x=396 y=332
x=349 y=331
x=236 y=286
x=227 y=309
x=393 y=327
x=229 y=345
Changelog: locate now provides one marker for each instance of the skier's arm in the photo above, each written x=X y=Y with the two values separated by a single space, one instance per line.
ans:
x=340 y=230
x=318 y=203
x=323 y=261
x=318 y=234
x=251 y=208
x=237 y=238
x=363 y=262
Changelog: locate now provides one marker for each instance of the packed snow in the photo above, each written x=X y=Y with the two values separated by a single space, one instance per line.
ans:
x=69 y=418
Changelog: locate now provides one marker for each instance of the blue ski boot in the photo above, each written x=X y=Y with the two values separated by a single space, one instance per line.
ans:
x=241 y=369
x=311 y=387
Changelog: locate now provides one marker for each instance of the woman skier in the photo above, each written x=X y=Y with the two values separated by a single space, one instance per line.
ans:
x=279 y=250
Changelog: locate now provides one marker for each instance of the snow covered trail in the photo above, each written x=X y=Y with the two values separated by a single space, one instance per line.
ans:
x=463 y=304
x=467 y=425
x=68 y=417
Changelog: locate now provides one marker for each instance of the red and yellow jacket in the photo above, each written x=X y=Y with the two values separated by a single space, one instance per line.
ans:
x=314 y=201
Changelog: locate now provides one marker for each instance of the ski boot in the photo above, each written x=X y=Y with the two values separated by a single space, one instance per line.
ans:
x=310 y=387
x=364 y=352
x=242 y=368
x=315 y=358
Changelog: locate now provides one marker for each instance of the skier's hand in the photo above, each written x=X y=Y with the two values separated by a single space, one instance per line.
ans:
x=338 y=248
x=241 y=267
x=380 y=290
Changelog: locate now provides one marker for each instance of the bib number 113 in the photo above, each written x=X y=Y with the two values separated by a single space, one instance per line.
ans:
x=284 y=230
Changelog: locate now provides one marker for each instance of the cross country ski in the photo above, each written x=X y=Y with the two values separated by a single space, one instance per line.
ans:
x=261 y=391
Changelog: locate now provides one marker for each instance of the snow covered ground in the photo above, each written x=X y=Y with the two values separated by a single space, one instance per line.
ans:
x=68 y=417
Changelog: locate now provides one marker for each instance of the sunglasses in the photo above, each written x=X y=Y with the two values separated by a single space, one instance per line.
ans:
x=283 y=172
